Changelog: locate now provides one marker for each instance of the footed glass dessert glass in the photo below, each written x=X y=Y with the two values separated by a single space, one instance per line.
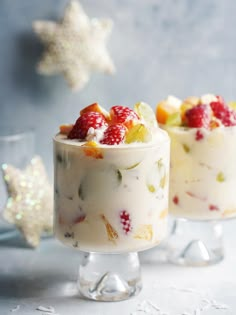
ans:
x=110 y=202
x=202 y=192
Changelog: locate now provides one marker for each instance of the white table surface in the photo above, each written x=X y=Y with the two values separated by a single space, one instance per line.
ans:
x=46 y=277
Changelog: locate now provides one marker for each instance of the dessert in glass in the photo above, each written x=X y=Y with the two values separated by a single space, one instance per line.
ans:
x=111 y=195
x=202 y=175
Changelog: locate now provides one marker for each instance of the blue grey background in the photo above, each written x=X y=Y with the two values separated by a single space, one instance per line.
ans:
x=159 y=47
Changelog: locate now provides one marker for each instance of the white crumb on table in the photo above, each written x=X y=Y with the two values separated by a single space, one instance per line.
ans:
x=148 y=307
x=46 y=309
x=219 y=306
x=16 y=308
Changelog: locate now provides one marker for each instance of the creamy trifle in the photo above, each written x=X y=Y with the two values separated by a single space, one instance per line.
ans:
x=111 y=180
x=203 y=156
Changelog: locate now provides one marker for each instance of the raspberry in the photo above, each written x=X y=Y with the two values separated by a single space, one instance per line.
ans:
x=198 y=116
x=175 y=200
x=123 y=115
x=221 y=111
x=213 y=208
x=84 y=122
x=125 y=221
x=114 y=134
x=199 y=135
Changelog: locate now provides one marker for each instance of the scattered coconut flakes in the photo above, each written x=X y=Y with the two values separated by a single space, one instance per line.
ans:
x=16 y=308
x=206 y=305
x=219 y=306
x=47 y=309
x=150 y=308
x=197 y=311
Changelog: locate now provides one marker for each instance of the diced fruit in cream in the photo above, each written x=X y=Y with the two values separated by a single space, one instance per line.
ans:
x=203 y=153
x=102 y=202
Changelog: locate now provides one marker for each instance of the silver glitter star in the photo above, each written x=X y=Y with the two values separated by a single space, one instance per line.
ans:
x=30 y=200
x=75 y=47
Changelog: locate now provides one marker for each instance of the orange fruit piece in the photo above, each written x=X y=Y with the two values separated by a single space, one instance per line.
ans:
x=163 y=111
x=91 y=149
x=95 y=107
x=111 y=232
x=65 y=129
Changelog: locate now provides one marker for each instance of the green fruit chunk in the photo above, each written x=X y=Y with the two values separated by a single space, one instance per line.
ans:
x=138 y=133
x=232 y=105
x=146 y=113
x=186 y=148
x=174 y=119
x=220 y=177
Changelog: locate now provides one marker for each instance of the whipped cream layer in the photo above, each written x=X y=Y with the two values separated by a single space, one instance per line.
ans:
x=203 y=172
x=111 y=198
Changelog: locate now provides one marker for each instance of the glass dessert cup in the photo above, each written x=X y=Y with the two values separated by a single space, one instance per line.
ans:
x=110 y=202
x=202 y=184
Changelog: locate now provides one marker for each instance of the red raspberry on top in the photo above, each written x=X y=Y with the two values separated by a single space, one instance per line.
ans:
x=198 y=116
x=84 y=122
x=221 y=111
x=123 y=115
x=114 y=134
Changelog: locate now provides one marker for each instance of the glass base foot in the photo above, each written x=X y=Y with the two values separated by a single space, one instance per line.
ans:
x=195 y=243
x=109 y=277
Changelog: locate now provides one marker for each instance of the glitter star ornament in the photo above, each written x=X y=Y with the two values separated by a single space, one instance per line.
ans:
x=30 y=200
x=75 y=47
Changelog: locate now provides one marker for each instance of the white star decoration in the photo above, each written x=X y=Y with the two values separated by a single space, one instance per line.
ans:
x=75 y=47
x=30 y=200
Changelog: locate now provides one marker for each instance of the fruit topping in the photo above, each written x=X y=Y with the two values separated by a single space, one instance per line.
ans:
x=84 y=122
x=66 y=129
x=125 y=221
x=95 y=107
x=138 y=133
x=198 y=116
x=145 y=112
x=208 y=98
x=174 y=119
x=114 y=134
x=224 y=113
x=123 y=115
x=166 y=108
x=209 y=111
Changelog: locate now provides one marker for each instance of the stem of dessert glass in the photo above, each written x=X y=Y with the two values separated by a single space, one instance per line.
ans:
x=195 y=243
x=109 y=277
